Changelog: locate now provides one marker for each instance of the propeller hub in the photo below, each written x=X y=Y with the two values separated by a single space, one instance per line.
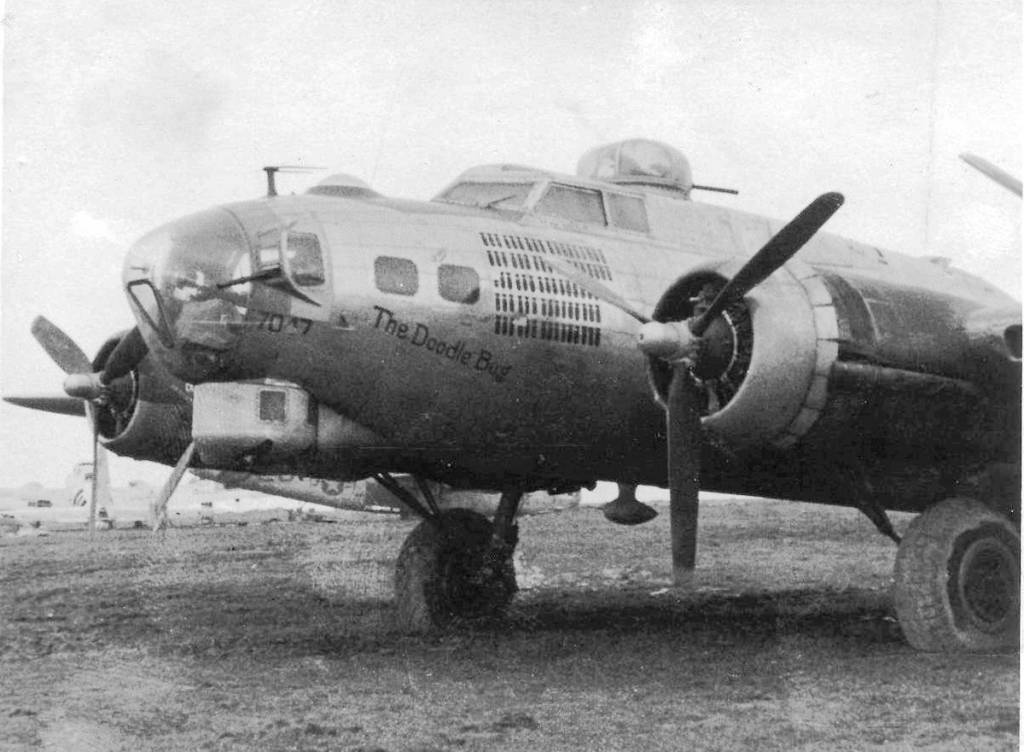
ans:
x=84 y=386
x=668 y=340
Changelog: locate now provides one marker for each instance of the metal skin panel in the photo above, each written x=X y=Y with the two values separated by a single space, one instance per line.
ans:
x=481 y=395
x=485 y=406
x=452 y=409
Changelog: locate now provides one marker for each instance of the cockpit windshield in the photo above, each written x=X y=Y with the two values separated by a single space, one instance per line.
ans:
x=510 y=196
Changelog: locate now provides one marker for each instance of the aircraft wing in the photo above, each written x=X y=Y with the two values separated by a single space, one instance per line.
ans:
x=61 y=404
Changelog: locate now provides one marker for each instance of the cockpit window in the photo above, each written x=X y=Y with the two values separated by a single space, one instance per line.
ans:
x=488 y=195
x=628 y=212
x=570 y=202
x=304 y=261
x=304 y=258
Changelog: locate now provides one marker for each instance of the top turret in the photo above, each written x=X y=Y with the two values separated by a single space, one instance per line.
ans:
x=639 y=161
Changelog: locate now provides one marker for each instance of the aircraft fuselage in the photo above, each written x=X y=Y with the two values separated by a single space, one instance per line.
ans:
x=450 y=348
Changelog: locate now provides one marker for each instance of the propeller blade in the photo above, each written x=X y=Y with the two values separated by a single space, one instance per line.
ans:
x=595 y=288
x=100 y=496
x=776 y=252
x=160 y=504
x=49 y=403
x=682 y=417
x=128 y=353
x=95 y=467
x=90 y=411
x=101 y=474
x=60 y=347
x=989 y=170
x=70 y=358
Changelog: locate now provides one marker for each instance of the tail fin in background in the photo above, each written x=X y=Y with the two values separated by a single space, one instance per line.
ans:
x=79 y=485
x=80 y=497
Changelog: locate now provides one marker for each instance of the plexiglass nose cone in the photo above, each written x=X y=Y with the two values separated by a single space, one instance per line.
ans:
x=174 y=277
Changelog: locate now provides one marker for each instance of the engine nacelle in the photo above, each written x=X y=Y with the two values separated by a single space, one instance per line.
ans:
x=148 y=415
x=813 y=357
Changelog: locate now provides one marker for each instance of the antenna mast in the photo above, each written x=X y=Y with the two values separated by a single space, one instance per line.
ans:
x=272 y=171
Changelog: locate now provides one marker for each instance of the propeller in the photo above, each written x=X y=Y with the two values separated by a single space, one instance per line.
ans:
x=678 y=343
x=82 y=382
x=70 y=358
x=92 y=387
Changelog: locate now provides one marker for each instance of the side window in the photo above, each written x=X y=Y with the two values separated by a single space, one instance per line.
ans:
x=460 y=284
x=569 y=202
x=267 y=255
x=307 y=265
x=628 y=212
x=396 y=275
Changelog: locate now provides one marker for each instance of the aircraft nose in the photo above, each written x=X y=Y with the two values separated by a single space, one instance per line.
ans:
x=186 y=284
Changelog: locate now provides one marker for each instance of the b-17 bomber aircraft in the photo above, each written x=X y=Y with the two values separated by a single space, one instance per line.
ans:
x=531 y=330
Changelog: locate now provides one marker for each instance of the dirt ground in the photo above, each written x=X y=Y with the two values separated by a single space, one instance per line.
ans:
x=279 y=636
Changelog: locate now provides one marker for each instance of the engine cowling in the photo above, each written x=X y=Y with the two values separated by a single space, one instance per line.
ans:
x=764 y=363
x=148 y=414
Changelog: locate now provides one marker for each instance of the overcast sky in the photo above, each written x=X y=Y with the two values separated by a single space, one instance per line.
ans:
x=120 y=115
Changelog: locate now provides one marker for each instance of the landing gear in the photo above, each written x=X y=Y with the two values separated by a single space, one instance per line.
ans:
x=957 y=582
x=457 y=565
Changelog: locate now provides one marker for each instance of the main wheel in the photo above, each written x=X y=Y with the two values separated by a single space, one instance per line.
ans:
x=441 y=576
x=957 y=583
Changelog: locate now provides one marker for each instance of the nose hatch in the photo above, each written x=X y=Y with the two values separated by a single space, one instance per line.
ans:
x=183 y=283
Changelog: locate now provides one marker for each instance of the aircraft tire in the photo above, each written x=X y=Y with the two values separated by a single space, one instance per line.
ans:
x=957 y=579
x=438 y=574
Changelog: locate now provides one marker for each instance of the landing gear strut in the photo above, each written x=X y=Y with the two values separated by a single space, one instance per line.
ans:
x=957 y=582
x=457 y=565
